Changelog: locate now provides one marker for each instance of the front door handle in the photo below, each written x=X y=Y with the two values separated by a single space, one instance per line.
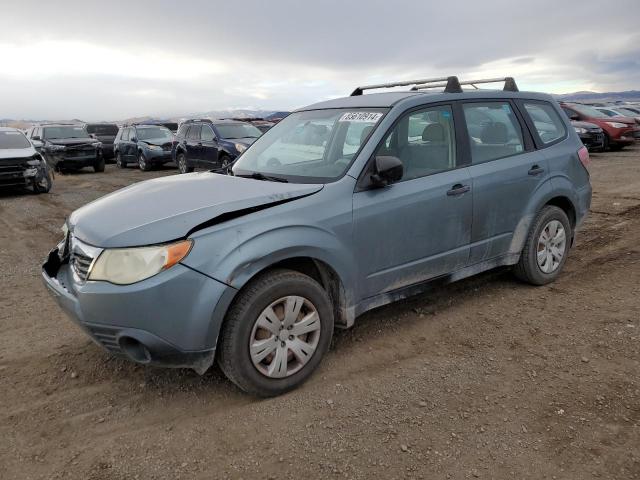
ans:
x=458 y=189
x=536 y=170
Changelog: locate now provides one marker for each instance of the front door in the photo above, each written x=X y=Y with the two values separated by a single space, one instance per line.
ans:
x=419 y=228
x=193 y=145
x=209 y=157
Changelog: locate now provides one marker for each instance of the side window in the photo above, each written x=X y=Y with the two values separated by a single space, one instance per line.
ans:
x=424 y=141
x=546 y=120
x=125 y=134
x=194 y=132
x=494 y=131
x=182 y=131
x=206 y=135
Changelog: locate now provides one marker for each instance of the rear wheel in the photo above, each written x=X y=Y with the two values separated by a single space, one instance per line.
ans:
x=182 y=163
x=546 y=248
x=276 y=333
x=142 y=163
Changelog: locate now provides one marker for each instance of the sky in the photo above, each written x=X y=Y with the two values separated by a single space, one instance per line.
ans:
x=112 y=60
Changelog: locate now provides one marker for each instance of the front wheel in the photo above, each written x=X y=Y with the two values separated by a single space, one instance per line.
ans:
x=98 y=167
x=546 y=248
x=120 y=163
x=183 y=167
x=142 y=163
x=276 y=333
x=225 y=164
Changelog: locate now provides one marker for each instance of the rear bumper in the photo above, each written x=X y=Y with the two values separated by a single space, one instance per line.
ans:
x=168 y=320
x=583 y=204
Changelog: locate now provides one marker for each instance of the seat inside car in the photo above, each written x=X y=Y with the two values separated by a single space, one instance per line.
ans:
x=428 y=156
x=494 y=143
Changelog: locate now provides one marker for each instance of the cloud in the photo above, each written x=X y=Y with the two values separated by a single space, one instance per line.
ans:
x=97 y=61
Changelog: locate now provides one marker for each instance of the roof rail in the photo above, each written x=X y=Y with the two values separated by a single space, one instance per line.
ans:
x=192 y=120
x=509 y=84
x=406 y=83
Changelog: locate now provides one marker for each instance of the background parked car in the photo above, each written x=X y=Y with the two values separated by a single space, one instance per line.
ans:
x=617 y=134
x=106 y=133
x=212 y=144
x=620 y=112
x=146 y=145
x=21 y=164
x=67 y=146
x=591 y=135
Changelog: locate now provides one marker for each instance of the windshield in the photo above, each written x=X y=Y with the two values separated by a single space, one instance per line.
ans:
x=627 y=113
x=238 y=130
x=69 y=131
x=156 y=133
x=103 y=129
x=13 y=139
x=312 y=146
x=589 y=111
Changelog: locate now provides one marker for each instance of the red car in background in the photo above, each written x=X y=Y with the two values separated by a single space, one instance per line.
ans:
x=618 y=132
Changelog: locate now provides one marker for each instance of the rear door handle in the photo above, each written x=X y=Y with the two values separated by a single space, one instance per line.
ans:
x=536 y=170
x=458 y=189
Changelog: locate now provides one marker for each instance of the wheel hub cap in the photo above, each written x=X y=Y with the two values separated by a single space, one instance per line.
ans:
x=551 y=246
x=284 y=336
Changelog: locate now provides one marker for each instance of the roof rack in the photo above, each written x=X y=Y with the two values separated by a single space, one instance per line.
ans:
x=453 y=85
x=192 y=120
x=406 y=83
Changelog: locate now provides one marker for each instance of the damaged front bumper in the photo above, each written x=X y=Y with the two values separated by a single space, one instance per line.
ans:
x=166 y=320
x=22 y=173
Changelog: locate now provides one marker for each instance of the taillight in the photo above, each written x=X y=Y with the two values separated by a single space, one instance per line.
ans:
x=583 y=155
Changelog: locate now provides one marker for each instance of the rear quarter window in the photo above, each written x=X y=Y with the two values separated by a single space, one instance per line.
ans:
x=546 y=121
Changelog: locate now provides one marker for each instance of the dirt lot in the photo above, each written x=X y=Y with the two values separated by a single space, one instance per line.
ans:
x=486 y=378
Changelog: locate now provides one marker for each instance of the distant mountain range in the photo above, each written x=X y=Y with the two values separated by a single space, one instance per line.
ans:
x=628 y=96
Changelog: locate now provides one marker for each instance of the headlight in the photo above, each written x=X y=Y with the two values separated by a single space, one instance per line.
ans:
x=153 y=147
x=56 y=148
x=240 y=147
x=96 y=144
x=616 y=124
x=580 y=130
x=124 y=266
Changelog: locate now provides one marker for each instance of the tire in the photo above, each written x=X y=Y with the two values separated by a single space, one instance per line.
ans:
x=225 y=164
x=529 y=269
x=606 y=143
x=45 y=184
x=142 y=163
x=120 y=163
x=98 y=167
x=240 y=330
x=183 y=166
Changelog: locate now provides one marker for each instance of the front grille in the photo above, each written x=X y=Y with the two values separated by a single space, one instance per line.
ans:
x=81 y=257
x=11 y=174
x=79 y=152
x=106 y=337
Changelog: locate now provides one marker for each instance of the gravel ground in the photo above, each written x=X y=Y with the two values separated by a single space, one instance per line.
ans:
x=485 y=378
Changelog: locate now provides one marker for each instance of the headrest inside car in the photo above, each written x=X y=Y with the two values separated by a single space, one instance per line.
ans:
x=494 y=133
x=433 y=133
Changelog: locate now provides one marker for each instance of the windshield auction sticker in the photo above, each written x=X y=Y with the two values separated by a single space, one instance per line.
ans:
x=364 y=117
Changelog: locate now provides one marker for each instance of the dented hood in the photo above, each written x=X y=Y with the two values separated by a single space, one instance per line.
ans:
x=168 y=208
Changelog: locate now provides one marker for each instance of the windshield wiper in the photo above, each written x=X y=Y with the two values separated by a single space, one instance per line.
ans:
x=262 y=176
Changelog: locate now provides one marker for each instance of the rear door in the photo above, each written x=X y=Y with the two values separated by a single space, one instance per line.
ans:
x=420 y=227
x=209 y=149
x=193 y=145
x=505 y=169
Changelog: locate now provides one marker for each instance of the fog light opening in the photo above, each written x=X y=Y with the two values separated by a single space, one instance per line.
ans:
x=135 y=350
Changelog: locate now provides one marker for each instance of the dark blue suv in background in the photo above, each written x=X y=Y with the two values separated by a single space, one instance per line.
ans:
x=212 y=144
x=146 y=145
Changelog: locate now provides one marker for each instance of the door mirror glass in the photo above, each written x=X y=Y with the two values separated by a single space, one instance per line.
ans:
x=133 y=139
x=388 y=170
x=36 y=138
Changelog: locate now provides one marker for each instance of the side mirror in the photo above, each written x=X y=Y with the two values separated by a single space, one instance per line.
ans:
x=134 y=139
x=573 y=116
x=388 y=170
x=36 y=138
x=37 y=144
